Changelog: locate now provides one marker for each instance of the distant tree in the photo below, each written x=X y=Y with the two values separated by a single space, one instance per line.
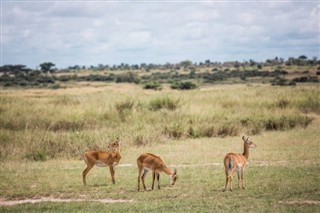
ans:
x=135 y=66
x=14 y=69
x=252 y=62
x=5 y=69
x=47 y=67
x=237 y=65
x=281 y=60
x=143 y=66
x=100 y=67
x=303 y=57
x=186 y=63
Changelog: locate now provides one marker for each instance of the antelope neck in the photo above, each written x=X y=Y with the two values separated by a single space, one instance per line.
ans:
x=245 y=151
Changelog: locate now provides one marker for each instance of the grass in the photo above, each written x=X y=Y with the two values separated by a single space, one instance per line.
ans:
x=199 y=187
x=44 y=133
x=66 y=123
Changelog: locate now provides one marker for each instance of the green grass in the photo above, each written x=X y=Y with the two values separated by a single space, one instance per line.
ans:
x=44 y=134
x=283 y=168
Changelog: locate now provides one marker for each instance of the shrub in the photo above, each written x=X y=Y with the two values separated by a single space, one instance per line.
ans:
x=129 y=77
x=282 y=82
x=164 y=103
x=37 y=156
x=153 y=85
x=285 y=122
x=174 y=130
x=186 y=85
x=305 y=79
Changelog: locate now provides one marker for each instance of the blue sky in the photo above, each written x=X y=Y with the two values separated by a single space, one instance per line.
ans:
x=88 y=33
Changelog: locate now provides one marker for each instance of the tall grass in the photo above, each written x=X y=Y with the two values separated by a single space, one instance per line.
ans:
x=64 y=125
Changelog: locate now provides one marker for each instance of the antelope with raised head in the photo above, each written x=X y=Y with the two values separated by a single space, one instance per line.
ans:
x=147 y=162
x=99 y=158
x=233 y=162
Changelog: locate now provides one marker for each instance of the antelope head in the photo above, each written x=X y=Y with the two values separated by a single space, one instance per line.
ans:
x=173 y=177
x=115 y=146
x=248 y=142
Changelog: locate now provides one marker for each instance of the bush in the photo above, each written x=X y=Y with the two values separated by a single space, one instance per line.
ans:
x=164 y=103
x=37 y=156
x=186 y=85
x=305 y=79
x=153 y=85
x=174 y=130
x=129 y=77
x=282 y=82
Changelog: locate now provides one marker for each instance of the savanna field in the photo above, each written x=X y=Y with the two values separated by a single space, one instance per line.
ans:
x=44 y=133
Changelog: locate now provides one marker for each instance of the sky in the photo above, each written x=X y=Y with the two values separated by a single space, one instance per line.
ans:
x=85 y=33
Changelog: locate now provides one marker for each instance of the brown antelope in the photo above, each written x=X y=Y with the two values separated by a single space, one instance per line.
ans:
x=101 y=158
x=154 y=163
x=233 y=162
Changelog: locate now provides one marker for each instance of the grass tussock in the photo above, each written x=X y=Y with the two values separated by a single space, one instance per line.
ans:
x=165 y=102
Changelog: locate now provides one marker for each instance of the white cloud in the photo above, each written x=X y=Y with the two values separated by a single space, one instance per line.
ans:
x=115 y=32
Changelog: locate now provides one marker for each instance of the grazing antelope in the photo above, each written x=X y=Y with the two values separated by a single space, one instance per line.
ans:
x=101 y=158
x=233 y=162
x=154 y=163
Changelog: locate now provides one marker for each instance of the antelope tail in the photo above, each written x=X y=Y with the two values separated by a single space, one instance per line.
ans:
x=230 y=165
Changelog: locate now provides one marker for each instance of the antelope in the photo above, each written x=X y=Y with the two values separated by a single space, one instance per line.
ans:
x=102 y=159
x=233 y=162
x=154 y=163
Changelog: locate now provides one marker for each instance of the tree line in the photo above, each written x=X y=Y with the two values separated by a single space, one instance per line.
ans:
x=44 y=75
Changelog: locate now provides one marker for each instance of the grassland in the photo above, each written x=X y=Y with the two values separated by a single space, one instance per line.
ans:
x=44 y=132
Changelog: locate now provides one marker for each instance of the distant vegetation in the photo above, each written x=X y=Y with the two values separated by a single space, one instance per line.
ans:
x=184 y=75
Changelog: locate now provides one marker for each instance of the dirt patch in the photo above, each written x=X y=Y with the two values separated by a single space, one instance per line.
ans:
x=4 y=202
x=301 y=202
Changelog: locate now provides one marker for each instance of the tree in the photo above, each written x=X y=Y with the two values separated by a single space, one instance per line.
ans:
x=303 y=57
x=186 y=63
x=15 y=69
x=47 y=67
x=5 y=69
x=252 y=62
x=237 y=65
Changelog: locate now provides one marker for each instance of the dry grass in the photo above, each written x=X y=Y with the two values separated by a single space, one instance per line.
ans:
x=63 y=123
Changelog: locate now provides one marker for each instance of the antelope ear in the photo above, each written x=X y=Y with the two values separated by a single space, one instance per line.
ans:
x=243 y=138
x=175 y=171
x=113 y=155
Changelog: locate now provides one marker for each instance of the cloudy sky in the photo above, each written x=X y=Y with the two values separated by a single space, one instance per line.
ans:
x=88 y=32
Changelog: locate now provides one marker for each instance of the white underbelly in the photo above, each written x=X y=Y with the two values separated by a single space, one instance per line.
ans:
x=101 y=164
x=148 y=169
